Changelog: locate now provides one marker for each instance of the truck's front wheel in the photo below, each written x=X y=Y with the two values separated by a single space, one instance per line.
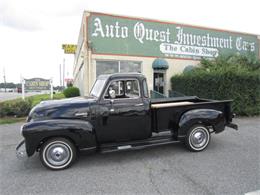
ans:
x=197 y=138
x=57 y=153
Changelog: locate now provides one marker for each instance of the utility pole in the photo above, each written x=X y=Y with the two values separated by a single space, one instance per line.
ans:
x=4 y=79
x=51 y=82
x=60 y=76
x=63 y=77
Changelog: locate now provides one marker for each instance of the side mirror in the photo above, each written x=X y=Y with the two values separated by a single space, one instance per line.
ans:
x=112 y=94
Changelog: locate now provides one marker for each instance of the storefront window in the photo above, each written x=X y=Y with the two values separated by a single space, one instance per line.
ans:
x=130 y=66
x=110 y=67
x=106 y=67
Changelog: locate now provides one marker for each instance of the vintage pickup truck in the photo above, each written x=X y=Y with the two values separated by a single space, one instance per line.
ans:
x=119 y=115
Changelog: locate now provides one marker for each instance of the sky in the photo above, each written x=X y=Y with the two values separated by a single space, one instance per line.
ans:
x=32 y=32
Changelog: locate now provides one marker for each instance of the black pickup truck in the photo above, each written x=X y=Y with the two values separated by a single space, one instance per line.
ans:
x=119 y=115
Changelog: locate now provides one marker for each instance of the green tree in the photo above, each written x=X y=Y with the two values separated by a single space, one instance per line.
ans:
x=234 y=77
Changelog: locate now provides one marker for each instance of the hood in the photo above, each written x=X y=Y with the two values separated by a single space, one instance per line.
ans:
x=71 y=108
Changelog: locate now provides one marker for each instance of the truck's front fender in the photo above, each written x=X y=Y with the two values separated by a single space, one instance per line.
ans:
x=80 y=132
x=207 y=117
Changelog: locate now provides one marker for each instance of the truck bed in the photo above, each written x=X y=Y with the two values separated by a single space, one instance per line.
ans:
x=166 y=112
x=178 y=99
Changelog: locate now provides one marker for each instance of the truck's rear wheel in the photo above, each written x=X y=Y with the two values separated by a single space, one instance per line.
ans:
x=198 y=138
x=57 y=153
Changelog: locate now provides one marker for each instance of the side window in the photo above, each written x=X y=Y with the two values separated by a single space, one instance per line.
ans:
x=123 y=89
x=146 y=94
x=132 y=89
x=117 y=87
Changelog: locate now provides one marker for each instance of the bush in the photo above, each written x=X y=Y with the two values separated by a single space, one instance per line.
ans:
x=243 y=88
x=222 y=79
x=17 y=108
x=71 y=92
x=36 y=99
x=20 y=108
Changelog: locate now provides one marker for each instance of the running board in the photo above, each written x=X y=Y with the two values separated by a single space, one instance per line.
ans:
x=136 y=145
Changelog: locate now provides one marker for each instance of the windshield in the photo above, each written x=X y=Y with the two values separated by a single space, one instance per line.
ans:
x=97 y=88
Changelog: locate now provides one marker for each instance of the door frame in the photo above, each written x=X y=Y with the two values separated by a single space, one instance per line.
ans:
x=110 y=109
x=164 y=79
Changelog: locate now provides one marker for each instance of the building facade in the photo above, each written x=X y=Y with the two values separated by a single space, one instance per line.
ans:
x=158 y=49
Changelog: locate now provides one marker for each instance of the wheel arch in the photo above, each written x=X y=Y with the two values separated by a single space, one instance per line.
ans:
x=45 y=139
x=207 y=117
x=80 y=133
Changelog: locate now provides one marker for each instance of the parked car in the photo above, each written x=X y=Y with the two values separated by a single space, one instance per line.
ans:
x=19 y=90
x=119 y=115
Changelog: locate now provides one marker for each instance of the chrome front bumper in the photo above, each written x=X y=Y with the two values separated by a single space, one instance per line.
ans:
x=21 y=150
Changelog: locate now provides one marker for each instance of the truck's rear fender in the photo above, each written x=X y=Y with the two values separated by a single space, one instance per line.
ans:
x=207 y=117
x=81 y=133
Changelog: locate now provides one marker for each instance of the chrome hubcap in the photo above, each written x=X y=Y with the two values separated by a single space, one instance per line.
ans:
x=199 y=137
x=57 y=154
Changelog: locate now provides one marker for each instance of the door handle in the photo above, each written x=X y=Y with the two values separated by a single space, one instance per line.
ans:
x=112 y=106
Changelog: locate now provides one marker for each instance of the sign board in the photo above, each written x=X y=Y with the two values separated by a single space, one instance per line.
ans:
x=69 y=48
x=37 y=84
x=114 y=35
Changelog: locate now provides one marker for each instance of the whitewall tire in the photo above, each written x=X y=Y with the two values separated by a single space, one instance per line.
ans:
x=197 y=138
x=57 y=153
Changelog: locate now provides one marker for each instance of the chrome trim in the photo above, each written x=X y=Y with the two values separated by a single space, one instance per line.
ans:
x=86 y=149
x=141 y=104
x=199 y=138
x=21 y=130
x=84 y=114
x=20 y=150
x=58 y=154
x=124 y=147
x=232 y=125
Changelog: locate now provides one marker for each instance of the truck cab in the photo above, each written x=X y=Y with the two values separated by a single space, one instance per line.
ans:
x=119 y=115
x=123 y=111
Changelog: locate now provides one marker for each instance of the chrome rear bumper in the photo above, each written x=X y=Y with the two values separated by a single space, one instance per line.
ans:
x=20 y=150
x=233 y=126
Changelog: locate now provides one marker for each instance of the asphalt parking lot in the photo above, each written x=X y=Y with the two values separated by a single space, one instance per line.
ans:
x=230 y=165
x=13 y=95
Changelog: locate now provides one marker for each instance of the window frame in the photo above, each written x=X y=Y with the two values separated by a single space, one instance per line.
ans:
x=101 y=89
x=130 y=79
x=145 y=86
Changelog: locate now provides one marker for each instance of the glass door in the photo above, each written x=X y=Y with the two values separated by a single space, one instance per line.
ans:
x=158 y=82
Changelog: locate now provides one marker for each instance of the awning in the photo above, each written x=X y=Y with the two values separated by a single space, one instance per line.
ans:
x=160 y=63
